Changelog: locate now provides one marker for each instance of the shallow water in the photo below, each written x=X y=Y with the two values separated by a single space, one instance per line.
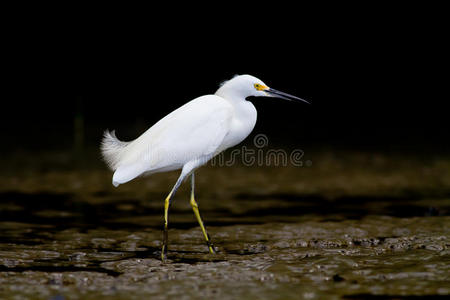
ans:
x=351 y=228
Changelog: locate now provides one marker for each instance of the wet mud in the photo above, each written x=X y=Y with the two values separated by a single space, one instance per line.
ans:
x=357 y=228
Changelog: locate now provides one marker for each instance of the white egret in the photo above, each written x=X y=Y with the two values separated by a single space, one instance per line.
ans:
x=189 y=137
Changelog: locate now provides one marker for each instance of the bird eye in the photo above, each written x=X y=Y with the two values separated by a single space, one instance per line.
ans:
x=259 y=87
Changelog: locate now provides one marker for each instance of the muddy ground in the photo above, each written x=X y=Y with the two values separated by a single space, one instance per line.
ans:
x=347 y=225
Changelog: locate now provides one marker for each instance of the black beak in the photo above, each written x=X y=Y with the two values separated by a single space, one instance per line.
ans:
x=278 y=94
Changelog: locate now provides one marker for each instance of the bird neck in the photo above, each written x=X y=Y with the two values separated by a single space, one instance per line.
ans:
x=232 y=95
x=244 y=110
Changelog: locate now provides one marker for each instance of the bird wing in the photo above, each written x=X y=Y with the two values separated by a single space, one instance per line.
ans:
x=192 y=132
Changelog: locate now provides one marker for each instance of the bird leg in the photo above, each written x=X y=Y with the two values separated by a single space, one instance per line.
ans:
x=167 y=204
x=199 y=219
x=166 y=227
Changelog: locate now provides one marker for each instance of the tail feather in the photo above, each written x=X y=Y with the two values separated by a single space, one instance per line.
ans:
x=112 y=149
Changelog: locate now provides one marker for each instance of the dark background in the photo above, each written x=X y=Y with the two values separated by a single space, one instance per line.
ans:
x=375 y=76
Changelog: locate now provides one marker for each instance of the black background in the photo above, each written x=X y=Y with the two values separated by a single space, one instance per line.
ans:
x=376 y=75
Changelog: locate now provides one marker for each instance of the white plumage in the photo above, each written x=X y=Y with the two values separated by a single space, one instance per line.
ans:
x=189 y=136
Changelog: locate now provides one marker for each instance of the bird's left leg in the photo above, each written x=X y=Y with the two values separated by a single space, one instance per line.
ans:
x=197 y=215
x=167 y=204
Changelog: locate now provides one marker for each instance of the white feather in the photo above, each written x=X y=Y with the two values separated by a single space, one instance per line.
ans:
x=112 y=149
x=193 y=132
x=187 y=137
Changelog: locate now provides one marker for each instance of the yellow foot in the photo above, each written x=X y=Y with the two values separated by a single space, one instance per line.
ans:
x=210 y=247
x=163 y=256
x=164 y=253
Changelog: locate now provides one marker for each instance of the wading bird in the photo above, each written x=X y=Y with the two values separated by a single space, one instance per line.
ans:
x=189 y=137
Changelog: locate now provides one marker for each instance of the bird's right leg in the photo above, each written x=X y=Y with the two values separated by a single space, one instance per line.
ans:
x=167 y=204
x=197 y=215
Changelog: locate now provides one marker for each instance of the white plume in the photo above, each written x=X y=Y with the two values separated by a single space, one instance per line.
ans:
x=112 y=149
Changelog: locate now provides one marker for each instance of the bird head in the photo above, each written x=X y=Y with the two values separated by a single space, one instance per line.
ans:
x=243 y=86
